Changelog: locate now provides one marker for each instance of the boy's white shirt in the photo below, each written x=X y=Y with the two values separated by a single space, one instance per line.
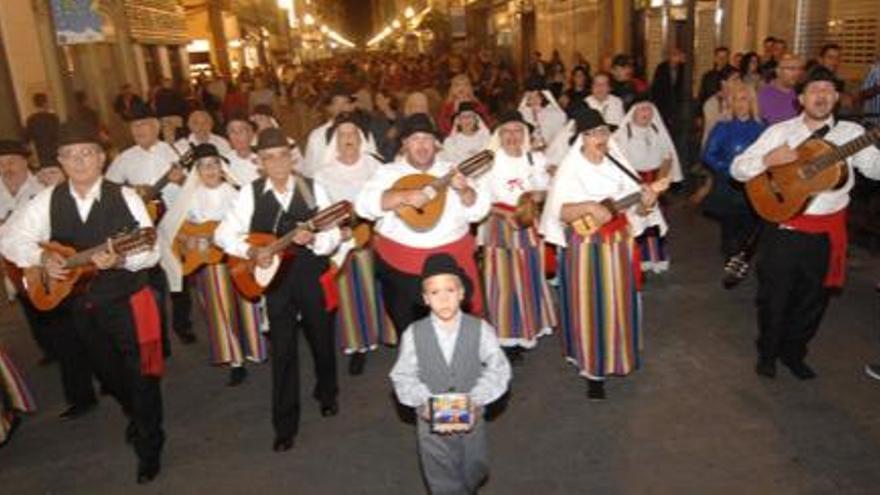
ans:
x=491 y=384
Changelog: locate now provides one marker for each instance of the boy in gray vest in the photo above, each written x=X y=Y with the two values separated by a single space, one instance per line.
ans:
x=450 y=352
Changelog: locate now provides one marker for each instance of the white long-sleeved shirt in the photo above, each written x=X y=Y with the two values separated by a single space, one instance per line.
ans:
x=9 y=202
x=244 y=170
x=611 y=108
x=453 y=224
x=793 y=132
x=138 y=166
x=316 y=148
x=231 y=234
x=491 y=384
x=32 y=225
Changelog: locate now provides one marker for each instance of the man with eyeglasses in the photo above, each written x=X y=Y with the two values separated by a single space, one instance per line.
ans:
x=777 y=100
x=115 y=316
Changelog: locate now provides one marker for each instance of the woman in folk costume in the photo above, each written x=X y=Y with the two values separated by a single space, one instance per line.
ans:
x=647 y=146
x=469 y=135
x=460 y=91
x=234 y=323
x=15 y=398
x=361 y=320
x=599 y=270
x=518 y=297
x=542 y=112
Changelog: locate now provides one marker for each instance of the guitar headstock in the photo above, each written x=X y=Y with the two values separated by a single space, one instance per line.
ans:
x=134 y=241
x=335 y=214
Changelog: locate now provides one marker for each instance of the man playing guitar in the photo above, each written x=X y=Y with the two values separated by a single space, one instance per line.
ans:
x=805 y=256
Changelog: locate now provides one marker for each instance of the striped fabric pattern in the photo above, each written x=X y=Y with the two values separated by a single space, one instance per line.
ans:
x=233 y=322
x=361 y=321
x=600 y=304
x=15 y=397
x=652 y=248
x=520 y=306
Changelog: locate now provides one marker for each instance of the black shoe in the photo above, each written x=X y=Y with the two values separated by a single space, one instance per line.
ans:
x=77 y=410
x=147 y=472
x=131 y=432
x=800 y=370
x=356 y=363
x=331 y=409
x=13 y=425
x=766 y=368
x=236 y=376
x=282 y=444
x=186 y=336
x=595 y=390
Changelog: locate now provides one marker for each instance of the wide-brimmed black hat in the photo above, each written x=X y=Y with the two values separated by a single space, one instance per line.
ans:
x=587 y=119
x=206 y=150
x=272 y=137
x=139 y=111
x=445 y=264
x=816 y=74
x=512 y=116
x=77 y=132
x=14 y=147
x=418 y=122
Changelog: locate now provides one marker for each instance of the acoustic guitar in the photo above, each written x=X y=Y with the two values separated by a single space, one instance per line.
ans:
x=150 y=194
x=46 y=293
x=784 y=191
x=204 y=253
x=425 y=218
x=251 y=280
x=586 y=225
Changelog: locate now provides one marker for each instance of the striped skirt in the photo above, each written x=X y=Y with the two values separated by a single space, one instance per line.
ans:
x=518 y=297
x=15 y=397
x=600 y=303
x=361 y=320
x=233 y=322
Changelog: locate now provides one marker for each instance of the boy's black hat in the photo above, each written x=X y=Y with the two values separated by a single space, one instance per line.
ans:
x=444 y=264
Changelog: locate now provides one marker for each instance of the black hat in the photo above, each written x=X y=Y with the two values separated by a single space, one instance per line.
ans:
x=535 y=84
x=272 y=137
x=587 y=119
x=263 y=109
x=139 y=111
x=819 y=73
x=622 y=60
x=465 y=106
x=14 y=147
x=512 y=116
x=417 y=122
x=444 y=264
x=77 y=132
x=206 y=150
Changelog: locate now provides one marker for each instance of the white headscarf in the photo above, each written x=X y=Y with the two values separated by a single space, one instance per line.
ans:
x=174 y=219
x=644 y=145
x=458 y=146
x=368 y=146
x=553 y=116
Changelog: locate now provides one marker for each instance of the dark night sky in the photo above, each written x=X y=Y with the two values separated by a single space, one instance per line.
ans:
x=357 y=20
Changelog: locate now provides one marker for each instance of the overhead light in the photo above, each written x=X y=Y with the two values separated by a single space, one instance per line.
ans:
x=396 y=24
x=324 y=28
x=198 y=46
x=308 y=20
x=409 y=12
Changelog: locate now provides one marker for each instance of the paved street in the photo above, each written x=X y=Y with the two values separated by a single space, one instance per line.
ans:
x=695 y=419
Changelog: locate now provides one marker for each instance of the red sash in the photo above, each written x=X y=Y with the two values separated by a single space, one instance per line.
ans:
x=834 y=226
x=649 y=176
x=408 y=259
x=148 y=325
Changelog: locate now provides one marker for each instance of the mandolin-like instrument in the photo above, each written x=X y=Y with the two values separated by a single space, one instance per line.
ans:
x=194 y=247
x=251 y=280
x=150 y=194
x=784 y=191
x=425 y=218
x=586 y=225
x=46 y=293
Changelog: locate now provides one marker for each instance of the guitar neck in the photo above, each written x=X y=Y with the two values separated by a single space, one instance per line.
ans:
x=842 y=152
x=625 y=202
x=468 y=168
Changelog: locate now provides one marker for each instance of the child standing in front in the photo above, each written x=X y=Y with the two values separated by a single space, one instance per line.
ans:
x=450 y=352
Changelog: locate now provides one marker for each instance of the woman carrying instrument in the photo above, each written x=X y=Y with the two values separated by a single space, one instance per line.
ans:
x=233 y=321
x=361 y=321
x=518 y=298
x=647 y=146
x=599 y=271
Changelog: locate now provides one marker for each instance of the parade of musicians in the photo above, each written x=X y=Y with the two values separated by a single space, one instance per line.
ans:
x=601 y=247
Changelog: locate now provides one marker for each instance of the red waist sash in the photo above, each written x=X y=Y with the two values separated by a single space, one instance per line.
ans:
x=834 y=226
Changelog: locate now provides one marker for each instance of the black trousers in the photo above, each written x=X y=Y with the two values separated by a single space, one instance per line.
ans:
x=296 y=291
x=792 y=297
x=38 y=322
x=64 y=344
x=109 y=337
x=403 y=295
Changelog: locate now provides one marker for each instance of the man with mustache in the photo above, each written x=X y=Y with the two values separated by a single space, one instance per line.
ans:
x=804 y=258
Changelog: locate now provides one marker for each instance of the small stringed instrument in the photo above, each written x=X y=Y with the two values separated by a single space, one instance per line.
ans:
x=150 y=194
x=251 y=280
x=425 y=218
x=737 y=267
x=586 y=225
x=46 y=293
x=527 y=210
x=784 y=191
x=205 y=252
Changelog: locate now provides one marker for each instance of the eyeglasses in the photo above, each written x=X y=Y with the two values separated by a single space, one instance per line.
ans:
x=83 y=154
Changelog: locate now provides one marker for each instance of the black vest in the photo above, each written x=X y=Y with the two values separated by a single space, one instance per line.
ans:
x=109 y=216
x=270 y=218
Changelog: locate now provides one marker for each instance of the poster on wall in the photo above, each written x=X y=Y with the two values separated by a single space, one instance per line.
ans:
x=77 y=21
